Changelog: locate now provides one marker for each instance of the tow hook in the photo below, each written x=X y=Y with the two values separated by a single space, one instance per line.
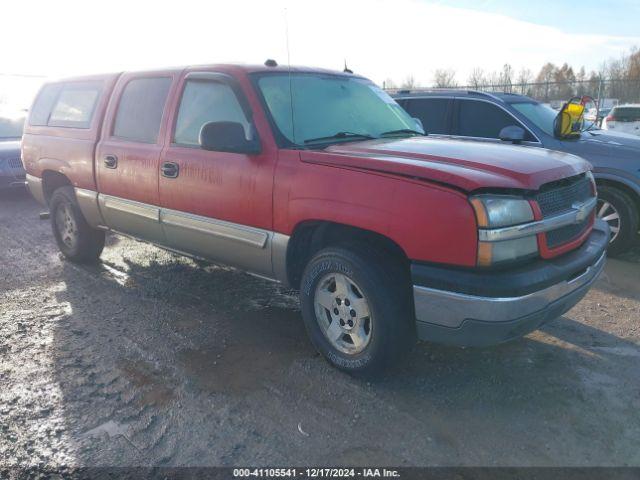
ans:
x=44 y=216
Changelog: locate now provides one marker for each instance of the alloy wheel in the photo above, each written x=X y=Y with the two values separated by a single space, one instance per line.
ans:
x=66 y=225
x=608 y=213
x=343 y=313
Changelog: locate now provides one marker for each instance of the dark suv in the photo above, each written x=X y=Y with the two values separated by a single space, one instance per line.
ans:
x=484 y=116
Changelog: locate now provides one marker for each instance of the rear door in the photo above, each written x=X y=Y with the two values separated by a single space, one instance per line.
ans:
x=128 y=155
x=478 y=119
x=217 y=205
x=434 y=113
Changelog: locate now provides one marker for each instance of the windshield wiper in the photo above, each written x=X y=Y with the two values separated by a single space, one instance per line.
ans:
x=340 y=135
x=403 y=130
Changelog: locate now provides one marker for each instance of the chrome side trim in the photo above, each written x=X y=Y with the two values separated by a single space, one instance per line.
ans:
x=218 y=228
x=131 y=207
x=135 y=218
x=35 y=187
x=451 y=309
x=577 y=214
x=88 y=203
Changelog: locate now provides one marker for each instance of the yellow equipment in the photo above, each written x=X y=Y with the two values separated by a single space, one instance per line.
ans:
x=570 y=120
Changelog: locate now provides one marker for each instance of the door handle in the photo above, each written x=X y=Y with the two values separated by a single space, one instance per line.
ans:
x=170 y=169
x=111 y=161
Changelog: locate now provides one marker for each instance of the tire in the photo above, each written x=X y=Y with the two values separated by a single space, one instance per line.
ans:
x=618 y=209
x=75 y=238
x=383 y=329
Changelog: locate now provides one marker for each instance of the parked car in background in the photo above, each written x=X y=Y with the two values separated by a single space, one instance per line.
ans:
x=320 y=180
x=596 y=116
x=623 y=119
x=12 y=173
x=482 y=116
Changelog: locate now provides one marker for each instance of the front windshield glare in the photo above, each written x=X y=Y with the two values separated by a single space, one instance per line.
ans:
x=541 y=115
x=326 y=105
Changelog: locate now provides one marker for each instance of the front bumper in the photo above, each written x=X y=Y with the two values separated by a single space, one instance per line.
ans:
x=8 y=182
x=483 y=308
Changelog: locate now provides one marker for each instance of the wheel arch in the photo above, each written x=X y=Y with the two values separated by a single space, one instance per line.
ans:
x=51 y=181
x=311 y=236
x=624 y=187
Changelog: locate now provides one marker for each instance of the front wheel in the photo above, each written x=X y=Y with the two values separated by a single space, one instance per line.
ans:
x=617 y=209
x=75 y=238
x=357 y=309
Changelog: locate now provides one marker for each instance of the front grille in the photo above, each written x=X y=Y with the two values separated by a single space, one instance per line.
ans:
x=562 y=235
x=15 y=162
x=558 y=197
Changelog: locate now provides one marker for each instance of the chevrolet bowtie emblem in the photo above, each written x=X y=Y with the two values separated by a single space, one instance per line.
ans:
x=583 y=209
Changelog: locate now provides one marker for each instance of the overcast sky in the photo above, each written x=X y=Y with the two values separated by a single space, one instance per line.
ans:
x=379 y=38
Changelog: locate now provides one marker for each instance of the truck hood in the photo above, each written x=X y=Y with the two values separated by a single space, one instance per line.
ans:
x=9 y=146
x=616 y=144
x=467 y=165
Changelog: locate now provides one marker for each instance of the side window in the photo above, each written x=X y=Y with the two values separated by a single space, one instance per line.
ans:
x=43 y=104
x=140 y=109
x=66 y=105
x=484 y=120
x=432 y=112
x=75 y=105
x=203 y=102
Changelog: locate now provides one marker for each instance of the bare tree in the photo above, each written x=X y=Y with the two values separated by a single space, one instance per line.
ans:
x=408 y=83
x=444 y=78
x=389 y=83
x=477 y=78
x=545 y=77
x=525 y=76
x=505 y=78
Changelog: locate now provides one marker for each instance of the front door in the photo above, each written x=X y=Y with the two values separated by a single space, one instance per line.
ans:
x=217 y=205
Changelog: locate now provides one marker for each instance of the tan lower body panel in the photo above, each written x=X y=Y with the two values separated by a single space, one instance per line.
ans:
x=134 y=218
x=88 y=203
x=241 y=246
x=35 y=187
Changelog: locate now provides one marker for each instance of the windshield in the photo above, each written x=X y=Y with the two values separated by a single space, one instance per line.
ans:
x=11 y=126
x=542 y=116
x=331 y=108
x=626 y=114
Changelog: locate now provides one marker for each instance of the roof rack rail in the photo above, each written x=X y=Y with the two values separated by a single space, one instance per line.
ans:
x=419 y=90
x=435 y=90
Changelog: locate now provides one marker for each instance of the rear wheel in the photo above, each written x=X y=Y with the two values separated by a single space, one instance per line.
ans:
x=357 y=309
x=75 y=238
x=618 y=209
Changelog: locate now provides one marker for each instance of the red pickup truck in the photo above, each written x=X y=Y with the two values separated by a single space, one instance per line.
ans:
x=318 y=179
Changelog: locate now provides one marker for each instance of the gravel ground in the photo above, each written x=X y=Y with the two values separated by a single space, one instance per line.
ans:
x=153 y=359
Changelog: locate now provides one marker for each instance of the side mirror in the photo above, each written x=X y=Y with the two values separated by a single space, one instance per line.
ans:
x=419 y=123
x=227 y=137
x=513 y=134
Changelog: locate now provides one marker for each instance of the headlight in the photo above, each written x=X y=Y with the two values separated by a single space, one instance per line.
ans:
x=498 y=211
x=494 y=211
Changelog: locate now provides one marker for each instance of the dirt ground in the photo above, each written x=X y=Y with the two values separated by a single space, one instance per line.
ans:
x=153 y=359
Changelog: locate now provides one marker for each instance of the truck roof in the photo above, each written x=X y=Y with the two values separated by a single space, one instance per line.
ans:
x=239 y=67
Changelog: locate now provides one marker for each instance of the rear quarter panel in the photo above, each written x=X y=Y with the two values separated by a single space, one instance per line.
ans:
x=69 y=151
